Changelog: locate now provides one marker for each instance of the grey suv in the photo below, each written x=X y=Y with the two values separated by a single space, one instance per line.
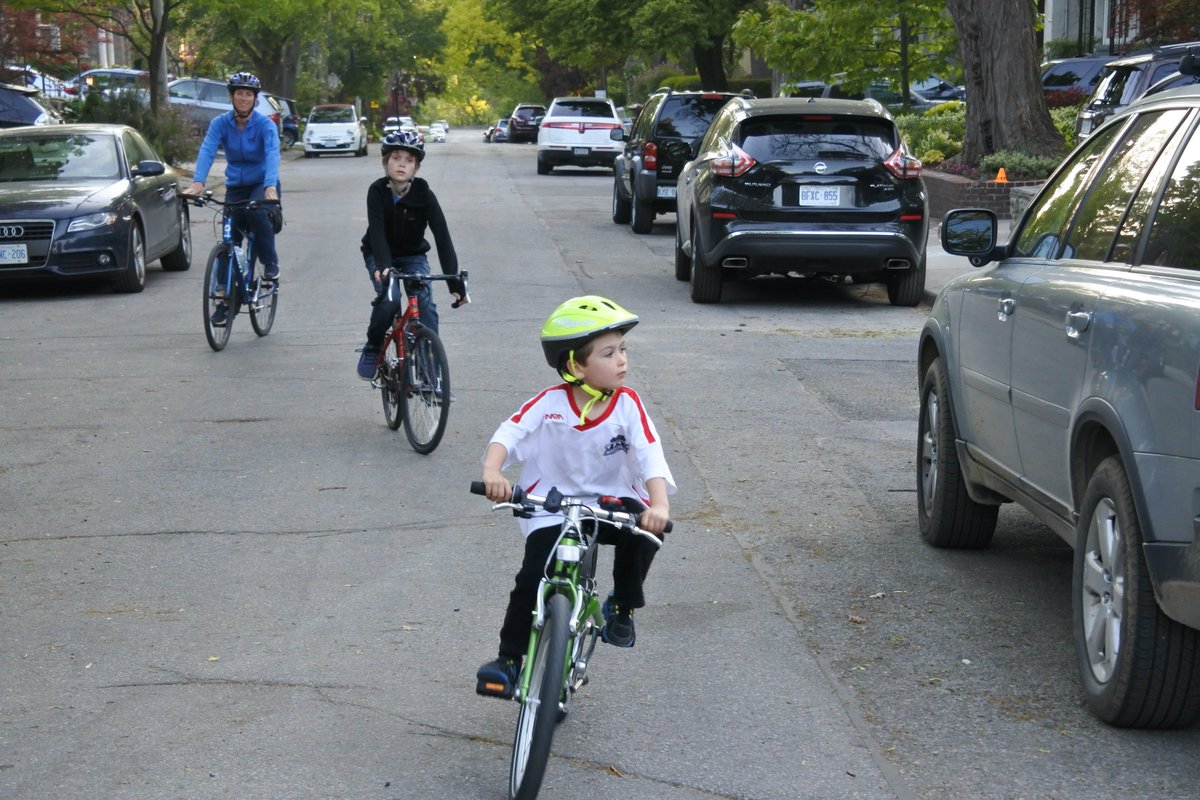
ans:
x=663 y=138
x=1127 y=79
x=1066 y=378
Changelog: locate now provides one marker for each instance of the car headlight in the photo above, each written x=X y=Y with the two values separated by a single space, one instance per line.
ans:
x=92 y=221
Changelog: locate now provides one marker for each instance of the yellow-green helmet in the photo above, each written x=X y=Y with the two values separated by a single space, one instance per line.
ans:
x=579 y=320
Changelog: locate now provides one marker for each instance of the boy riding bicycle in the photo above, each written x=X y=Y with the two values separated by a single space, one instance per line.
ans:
x=588 y=437
x=400 y=206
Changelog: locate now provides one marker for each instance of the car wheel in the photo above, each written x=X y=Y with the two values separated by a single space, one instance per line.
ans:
x=1138 y=667
x=946 y=514
x=683 y=262
x=705 y=278
x=907 y=287
x=543 y=167
x=620 y=206
x=180 y=258
x=133 y=278
x=643 y=215
x=309 y=155
x=289 y=139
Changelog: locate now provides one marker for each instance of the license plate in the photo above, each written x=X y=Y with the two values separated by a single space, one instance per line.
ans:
x=580 y=151
x=14 y=254
x=666 y=192
x=820 y=196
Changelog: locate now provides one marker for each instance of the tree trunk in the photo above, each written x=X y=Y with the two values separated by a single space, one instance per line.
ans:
x=1006 y=109
x=158 y=56
x=709 y=64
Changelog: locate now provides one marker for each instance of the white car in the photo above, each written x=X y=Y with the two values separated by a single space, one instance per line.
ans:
x=335 y=129
x=436 y=133
x=577 y=131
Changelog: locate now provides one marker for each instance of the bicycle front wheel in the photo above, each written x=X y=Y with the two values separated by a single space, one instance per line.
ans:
x=425 y=398
x=539 y=711
x=219 y=292
x=391 y=382
x=262 y=309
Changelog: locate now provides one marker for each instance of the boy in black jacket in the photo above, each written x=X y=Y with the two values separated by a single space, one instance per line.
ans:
x=400 y=206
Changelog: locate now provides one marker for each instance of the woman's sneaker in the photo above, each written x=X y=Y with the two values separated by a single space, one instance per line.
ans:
x=498 y=678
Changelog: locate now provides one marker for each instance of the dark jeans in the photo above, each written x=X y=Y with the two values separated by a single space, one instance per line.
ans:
x=631 y=562
x=256 y=222
x=386 y=308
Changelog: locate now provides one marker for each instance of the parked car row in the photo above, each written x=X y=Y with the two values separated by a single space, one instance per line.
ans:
x=1064 y=376
x=940 y=91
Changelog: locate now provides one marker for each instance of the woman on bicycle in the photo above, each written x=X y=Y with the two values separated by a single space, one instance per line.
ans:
x=251 y=143
x=400 y=206
x=589 y=436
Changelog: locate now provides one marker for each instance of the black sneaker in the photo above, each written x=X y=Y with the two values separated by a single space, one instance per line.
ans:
x=498 y=678
x=271 y=272
x=366 y=362
x=618 y=627
x=220 y=316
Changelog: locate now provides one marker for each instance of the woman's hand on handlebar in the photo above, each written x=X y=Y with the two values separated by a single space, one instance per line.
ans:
x=195 y=190
x=270 y=195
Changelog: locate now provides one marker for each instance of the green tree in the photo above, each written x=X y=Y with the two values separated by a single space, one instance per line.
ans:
x=899 y=41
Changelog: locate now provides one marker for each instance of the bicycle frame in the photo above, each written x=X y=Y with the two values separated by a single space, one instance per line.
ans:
x=411 y=314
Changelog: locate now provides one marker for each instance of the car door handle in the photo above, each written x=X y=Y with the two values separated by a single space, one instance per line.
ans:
x=1004 y=309
x=1077 y=323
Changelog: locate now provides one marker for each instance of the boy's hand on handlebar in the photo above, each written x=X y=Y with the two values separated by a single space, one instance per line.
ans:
x=496 y=486
x=654 y=520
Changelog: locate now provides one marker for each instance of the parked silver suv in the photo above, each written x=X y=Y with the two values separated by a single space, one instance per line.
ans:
x=1065 y=377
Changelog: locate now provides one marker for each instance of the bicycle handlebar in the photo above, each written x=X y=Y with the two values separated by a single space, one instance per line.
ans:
x=422 y=276
x=523 y=501
x=202 y=200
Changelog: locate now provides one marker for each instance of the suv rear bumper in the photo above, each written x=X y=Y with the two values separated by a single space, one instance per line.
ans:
x=591 y=156
x=649 y=189
x=759 y=248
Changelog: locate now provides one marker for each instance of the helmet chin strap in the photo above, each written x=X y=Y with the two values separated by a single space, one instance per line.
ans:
x=596 y=394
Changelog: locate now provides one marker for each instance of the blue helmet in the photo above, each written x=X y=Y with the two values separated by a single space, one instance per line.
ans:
x=244 y=80
x=408 y=140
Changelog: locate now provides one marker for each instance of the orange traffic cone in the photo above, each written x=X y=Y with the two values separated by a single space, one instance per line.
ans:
x=1002 y=176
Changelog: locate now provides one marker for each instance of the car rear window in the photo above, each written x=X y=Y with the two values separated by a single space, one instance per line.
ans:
x=688 y=117
x=792 y=138
x=581 y=108
x=528 y=113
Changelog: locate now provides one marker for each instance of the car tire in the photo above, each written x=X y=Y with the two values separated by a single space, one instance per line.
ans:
x=907 y=287
x=705 y=278
x=543 y=167
x=620 y=206
x=133 y=277
x=309 y=155
x=642 y=220
x=1138 y=667
x=289 y=139
x=683 y=262
x=180 y=259
x=947 y=516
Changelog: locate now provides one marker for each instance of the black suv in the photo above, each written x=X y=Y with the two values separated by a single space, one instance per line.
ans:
x=523 y=122
x=663 y=138
x=810 y=187
x=1127 y=79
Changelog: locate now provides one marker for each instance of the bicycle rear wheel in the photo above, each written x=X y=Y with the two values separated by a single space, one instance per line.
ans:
x=218 y=290
x=539 y=711
x=425 y=398
x=391 y=382
x=262 y=310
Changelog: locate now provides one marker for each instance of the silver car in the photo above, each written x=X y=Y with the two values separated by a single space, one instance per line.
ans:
x=1065 y=376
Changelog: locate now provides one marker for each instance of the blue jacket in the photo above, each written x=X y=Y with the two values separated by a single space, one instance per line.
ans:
x=251 y=155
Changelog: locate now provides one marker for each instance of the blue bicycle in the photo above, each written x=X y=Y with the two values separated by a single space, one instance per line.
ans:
x=230 y=280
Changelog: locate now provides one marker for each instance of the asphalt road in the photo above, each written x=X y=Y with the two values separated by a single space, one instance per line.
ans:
x=223 y=577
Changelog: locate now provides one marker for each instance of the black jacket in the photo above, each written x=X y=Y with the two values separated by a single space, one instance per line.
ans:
x=398 y=228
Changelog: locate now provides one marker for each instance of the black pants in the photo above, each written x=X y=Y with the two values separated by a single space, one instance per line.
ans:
x=631 y=562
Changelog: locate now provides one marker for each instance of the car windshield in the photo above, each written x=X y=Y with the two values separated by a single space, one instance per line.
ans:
x=48 y=158
x=688 y=117
x=792 y=138
x=332 y=115
x=1117 y=88
x=581 y=108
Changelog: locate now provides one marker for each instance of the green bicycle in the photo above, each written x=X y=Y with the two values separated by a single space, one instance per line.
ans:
x=568 y=618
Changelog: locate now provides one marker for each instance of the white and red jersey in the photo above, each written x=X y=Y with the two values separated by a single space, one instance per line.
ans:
x=614 y=454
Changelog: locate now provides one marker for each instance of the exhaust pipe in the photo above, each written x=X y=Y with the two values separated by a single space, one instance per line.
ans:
x=735 y=262
x=898 y=263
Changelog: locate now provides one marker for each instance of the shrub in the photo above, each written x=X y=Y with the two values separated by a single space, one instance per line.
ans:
x=932 y=158
x=1060 y=98
x=1018 y=166
x=168 y=132
x=943 y=132
x=1064 y=121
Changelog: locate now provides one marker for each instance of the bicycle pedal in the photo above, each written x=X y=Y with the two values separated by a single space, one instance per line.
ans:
x=494 y=689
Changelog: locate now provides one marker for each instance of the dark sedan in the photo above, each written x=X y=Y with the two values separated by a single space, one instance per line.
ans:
x=88 y=201
x=805 y=187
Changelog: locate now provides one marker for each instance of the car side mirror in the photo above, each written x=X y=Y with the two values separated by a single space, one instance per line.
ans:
x=148 y=169
x=970 y=232
x=1187 y=64
x=363 y=120
x=617 y=134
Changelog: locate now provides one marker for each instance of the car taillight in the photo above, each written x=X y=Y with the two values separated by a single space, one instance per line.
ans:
x=903 y=165
x=572 y=126
x=734 y=165
x=650 y=156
